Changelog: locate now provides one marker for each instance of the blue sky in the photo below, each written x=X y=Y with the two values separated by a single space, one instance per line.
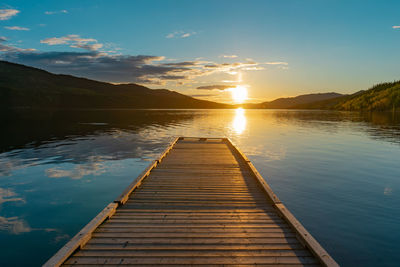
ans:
x=281 y=48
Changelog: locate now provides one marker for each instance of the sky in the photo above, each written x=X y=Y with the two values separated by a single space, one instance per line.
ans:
x=204 y=48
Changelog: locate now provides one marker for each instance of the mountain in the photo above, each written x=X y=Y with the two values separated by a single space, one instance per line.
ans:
x=23 y=86
x=381 y=97
x=290 y=102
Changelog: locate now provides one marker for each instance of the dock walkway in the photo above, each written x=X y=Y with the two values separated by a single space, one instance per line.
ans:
x=201 y=202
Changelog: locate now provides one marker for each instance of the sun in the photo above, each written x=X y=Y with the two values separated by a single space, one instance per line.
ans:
x=239 y=94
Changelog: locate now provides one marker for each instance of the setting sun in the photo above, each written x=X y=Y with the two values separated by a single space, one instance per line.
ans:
x=239 y=94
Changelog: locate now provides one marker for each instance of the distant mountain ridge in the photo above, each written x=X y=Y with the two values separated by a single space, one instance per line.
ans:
x=23 y=86
x=290 y=102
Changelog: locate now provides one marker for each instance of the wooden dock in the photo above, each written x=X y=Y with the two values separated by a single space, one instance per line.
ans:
x=201 y=202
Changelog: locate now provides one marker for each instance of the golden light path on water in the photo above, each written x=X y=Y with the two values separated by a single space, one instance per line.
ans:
x=239 y=121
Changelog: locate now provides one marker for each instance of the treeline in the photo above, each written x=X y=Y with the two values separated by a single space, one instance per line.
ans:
x=381 y=97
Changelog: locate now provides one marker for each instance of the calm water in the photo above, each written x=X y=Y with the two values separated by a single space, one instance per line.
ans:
x=338 y=172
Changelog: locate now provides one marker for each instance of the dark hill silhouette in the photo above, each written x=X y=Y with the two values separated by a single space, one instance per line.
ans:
x=23 y=86
x=290 y=102
x=28 y=87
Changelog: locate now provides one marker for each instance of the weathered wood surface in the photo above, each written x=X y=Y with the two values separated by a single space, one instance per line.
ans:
x=203 y=203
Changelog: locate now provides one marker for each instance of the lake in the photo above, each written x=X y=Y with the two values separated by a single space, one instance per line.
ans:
x=338 y=172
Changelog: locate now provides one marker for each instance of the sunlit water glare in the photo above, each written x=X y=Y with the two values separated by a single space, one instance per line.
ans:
x=239 y=121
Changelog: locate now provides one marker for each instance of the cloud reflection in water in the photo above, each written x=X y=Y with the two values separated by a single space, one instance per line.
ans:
x=95 y=166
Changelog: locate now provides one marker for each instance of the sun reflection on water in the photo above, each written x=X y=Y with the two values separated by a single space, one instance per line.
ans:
x=239 y=121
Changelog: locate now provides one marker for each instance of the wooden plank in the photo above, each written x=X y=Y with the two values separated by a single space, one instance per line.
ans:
x=192 y=230
x=198 y=195
x=207 y=198
x=203 y=225
x=192 y=260
x=194 y=221
x=201 y=265
x=198 y=211
x=198 y=240
x=125 y=195
x=191 y=235
x=193 y=253
x=196 y=216
x=80 y=239
x=171 y=247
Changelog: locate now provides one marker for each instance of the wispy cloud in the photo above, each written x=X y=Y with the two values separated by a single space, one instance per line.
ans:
x=56 y=12
x=229 y=56
x=75 y=41
x=4 y=47
x=179 y=34
x=144 y=69
x=8 y=195
x=14 y=225
x=6 y=14
x=93 y=167
x=100 y=64
x=215 y=87
x=396 y=27
x=233 y=68
x=277 y=63
x=16 y=28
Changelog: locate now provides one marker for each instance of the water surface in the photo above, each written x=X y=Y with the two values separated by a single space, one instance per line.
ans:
x=338 y=172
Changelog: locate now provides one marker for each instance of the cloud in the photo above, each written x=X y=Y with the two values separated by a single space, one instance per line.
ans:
x=6 y=14
x=99 y=64
x=229 y=56
x=233 y=68
x=7 y=195
x=56 y=12
x=202 y=95
x=10 y=48
x=396 y=27
x=215 y=87
x=61 y=237
x=14 y=225
x=74 y=41
x=179 y=34
x=16 y=28
x=277 y=63
x=93 y=167
x=145 y=69
x=182 y=64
